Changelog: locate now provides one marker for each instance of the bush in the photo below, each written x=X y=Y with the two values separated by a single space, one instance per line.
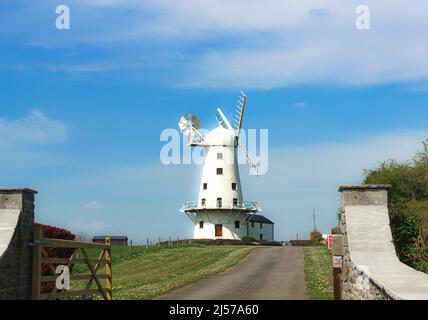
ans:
x=54 y=233
x=302 y=243
x=408 y=205
x=335 y=230
x=248 y=239
x=408 y=226
x=271 y=243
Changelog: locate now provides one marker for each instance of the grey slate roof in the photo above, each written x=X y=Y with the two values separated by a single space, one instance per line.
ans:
x=257 y=218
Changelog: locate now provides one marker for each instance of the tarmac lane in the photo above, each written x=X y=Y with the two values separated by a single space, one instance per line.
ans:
x=268 y=273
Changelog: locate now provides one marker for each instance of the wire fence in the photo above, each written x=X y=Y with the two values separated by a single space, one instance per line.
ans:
x=156 y=242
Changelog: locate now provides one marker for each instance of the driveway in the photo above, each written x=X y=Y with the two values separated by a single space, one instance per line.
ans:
x=267 y=273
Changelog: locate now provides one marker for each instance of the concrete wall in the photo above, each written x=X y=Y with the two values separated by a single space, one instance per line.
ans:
x=371 y=268
x=364 y=195
x=16 y=234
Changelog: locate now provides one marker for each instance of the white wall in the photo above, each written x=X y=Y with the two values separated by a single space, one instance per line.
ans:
x=227 y=219
x=267 y=230
x=211 y=218
x=220 y=141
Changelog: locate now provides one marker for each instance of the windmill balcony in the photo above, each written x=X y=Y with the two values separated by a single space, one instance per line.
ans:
x=240 y=205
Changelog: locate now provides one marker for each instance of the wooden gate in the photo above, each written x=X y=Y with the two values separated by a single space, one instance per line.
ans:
x=82 y=283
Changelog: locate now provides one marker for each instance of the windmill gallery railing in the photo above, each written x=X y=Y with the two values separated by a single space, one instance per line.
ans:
x=59 y=269
x=240 y=205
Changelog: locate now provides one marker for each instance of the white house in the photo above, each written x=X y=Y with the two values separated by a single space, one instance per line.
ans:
x=221 y=212
x=260 y=227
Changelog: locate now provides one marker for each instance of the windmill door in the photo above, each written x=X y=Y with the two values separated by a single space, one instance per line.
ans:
x=218 y=230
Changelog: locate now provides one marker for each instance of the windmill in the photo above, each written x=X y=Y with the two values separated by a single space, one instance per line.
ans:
x=220 y=211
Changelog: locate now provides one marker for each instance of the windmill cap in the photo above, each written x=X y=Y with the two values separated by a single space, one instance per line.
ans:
x=220 y=136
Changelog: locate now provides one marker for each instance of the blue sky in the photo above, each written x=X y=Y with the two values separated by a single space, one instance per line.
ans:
x=81 y=110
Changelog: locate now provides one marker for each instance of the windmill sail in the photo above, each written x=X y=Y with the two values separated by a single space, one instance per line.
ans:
x=222 y=120
x=239 y=113
x=235 y=130
x=189 y=125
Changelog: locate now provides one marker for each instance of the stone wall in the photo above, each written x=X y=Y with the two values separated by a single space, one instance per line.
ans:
x=357 y=285
x=16 y=260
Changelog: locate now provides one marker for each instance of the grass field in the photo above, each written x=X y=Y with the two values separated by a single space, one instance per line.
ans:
x=150 y=272
x=318 y=273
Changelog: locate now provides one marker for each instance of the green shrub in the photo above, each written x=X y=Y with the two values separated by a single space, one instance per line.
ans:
x=271 y=243
x=408 y=205
x=248 y=239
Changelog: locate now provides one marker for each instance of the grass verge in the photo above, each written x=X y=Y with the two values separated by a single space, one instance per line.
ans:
x=150 y=272
x=318 y=273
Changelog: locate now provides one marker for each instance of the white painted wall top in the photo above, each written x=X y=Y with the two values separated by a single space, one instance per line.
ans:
x=8 y=221
x=372 y=250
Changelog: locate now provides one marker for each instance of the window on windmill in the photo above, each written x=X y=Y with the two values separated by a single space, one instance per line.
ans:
x=237 y=224
x=201 y=224
x=233 y=186
x=261 y=236
x=219 y=170
x=220 y=156
x=235 y=202
x=252 y=224
x=205 y=186
x=203 y=202
x=261 y=225
x=219 y=203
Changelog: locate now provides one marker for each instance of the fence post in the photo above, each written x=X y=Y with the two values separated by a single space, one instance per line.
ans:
x=109 y=285
x=37 y=264
x=337 y=255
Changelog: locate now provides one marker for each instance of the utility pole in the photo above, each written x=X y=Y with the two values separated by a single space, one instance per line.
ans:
x=313 y=217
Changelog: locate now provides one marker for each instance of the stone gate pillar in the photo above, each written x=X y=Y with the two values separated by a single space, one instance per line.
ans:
x=16 y=236
x=356 y=195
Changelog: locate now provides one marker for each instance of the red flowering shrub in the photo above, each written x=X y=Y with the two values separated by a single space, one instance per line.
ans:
x=54 y=233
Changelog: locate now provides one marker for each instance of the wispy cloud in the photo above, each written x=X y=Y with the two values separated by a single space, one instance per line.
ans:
x=299 y=105
x=93 y=205
x=83 y=68
x=36 y=128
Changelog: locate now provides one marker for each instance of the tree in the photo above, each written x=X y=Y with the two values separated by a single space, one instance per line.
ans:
x=83 y=236
x=408 y=205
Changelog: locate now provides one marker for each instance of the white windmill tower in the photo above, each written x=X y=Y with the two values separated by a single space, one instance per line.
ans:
x=220 y=211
